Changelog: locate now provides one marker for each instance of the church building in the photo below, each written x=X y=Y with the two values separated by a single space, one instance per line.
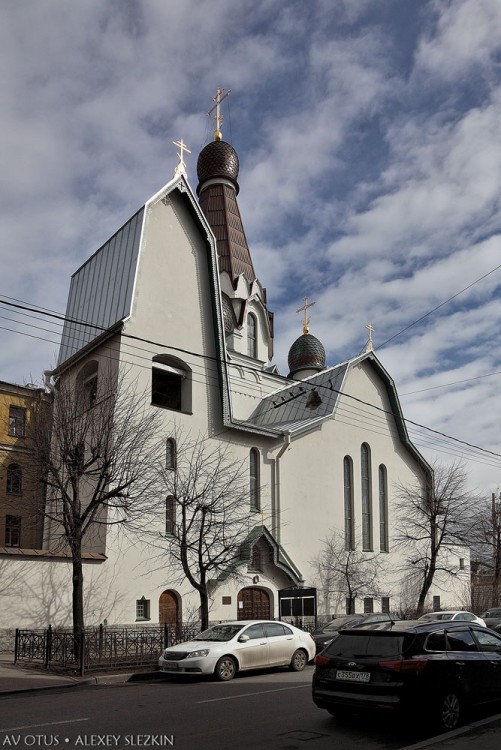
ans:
x=173 y=297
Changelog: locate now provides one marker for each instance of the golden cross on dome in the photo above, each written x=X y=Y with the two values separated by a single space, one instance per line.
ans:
x=220 y=95
x=181 y=167
x=370 y=343
x=306 y=318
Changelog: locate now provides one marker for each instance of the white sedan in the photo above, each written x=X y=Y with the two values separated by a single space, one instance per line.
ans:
x=225 y=649
x=453 y=615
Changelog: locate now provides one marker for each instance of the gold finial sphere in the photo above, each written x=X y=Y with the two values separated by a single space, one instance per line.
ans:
x=218 y=136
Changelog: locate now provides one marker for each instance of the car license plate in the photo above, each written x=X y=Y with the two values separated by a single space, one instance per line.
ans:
x=170 y=665
x=350 y=676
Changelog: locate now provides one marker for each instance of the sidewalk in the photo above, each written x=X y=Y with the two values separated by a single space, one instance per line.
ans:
x=17 y=677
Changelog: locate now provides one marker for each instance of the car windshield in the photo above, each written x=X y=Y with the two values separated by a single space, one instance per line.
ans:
x=219 y=633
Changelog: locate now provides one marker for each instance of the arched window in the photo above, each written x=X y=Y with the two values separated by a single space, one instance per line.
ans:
x=349 y=520
x=365 y=470
x=254 y=486
x=14 y=479
x=170 y=515
x=170 y=454
x=87 y=381
x=384 y=544
x=252 y=336
x=171 y=384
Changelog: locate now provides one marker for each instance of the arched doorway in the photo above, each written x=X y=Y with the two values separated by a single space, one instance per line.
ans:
x=168 y=608
x=253 y=604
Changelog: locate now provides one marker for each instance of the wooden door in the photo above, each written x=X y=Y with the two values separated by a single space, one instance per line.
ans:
x=253 y=604
x=168 y=608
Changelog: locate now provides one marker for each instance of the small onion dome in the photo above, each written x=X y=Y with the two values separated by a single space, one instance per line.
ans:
x=217 y=159
x=228 y=316
x=306 y=353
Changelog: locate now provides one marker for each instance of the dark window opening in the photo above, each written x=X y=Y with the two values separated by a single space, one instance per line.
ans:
x=17 y=421
x=13 y=531
x=166 y=389
x=14 y=479
x=170 y=515
x=170 y=454
x=142 y=609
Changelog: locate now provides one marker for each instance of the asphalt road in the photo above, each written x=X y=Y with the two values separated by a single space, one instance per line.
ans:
x=255 y=710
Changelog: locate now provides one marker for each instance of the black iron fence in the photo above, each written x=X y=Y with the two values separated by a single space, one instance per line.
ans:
x=98 y=648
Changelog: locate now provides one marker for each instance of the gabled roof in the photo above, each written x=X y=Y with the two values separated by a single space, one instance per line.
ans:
x=101 y=290
x=302 y=405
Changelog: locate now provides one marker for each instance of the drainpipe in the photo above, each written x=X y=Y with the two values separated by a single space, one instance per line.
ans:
x=276 y=524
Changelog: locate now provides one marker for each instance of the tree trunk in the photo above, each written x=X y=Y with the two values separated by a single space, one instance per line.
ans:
x=204 y=608
x=77 y=601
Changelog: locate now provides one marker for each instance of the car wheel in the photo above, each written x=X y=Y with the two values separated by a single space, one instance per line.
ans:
x=449 y=711
x=226 y=669
x=299 y=660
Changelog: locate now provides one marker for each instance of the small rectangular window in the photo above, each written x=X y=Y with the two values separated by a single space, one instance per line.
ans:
x=461 y=563
x=385 y=604
x=368 y=605
x=17 y=421
x=142 y=609
x=436 y=603
x=13 y=531
x=226 y=599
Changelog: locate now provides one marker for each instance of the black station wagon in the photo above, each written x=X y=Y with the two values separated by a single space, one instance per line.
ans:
x=432 y=671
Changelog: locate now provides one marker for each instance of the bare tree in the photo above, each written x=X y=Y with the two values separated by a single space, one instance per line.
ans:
x=204 y=513
x=96 y=453
x=486 y=541
x=348 y=573
x=431 y=522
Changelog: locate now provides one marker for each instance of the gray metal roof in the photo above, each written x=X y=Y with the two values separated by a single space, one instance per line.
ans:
x=101 y=290
x=293 y=407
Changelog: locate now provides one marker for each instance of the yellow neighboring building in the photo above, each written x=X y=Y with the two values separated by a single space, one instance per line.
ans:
x=21 y=493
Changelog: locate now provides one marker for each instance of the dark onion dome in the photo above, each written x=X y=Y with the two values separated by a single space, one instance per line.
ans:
x=306 y=353
x=228 y=316
x=217 y=160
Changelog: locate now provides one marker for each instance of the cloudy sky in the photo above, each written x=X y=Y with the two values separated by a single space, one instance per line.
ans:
x=368 y=133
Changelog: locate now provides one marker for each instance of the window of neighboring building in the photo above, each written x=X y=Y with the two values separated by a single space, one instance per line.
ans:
x=87 y=379
x=170 y=515
x=252 y=336
x=14 y=479
x=368 y=605
x=171 y=384
x=366 y=497
x=254 y=486
x=17 y=421
x=436 y=603
x=385 y=604
x=142 y=609
x=461 y=563
x=13 y=531
x=384 y=544
x=349 y=516
x=170 y=454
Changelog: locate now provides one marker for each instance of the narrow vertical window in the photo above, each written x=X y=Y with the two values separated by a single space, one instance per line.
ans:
x=368 y=605
x=254 y=486
x=170 y=515
x=170 y=454
x=251 y=336
x=384 y=545
x=17 y=421
x=385 y=604
x=14 y=479
x=349 y=520
x=13 y=531
x=366 y=498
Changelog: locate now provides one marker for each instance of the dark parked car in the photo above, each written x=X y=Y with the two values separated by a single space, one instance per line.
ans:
x=492 y=617
x=431 y=670
x=325 y=634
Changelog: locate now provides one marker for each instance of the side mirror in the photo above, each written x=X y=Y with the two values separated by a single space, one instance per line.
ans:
x=243 y=639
